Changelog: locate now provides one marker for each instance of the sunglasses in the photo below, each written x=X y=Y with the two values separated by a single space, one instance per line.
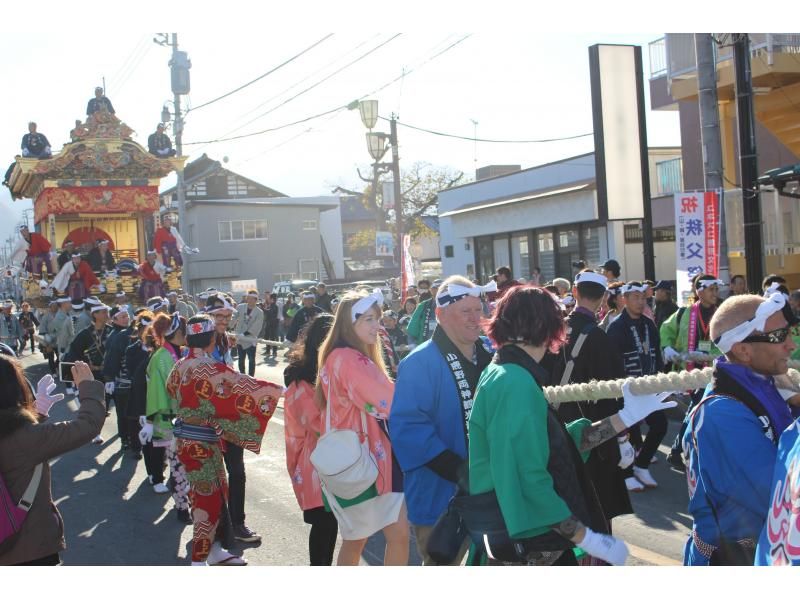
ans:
x=773 y=337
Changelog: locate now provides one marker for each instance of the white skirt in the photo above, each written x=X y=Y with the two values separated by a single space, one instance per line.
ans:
x=365 y=518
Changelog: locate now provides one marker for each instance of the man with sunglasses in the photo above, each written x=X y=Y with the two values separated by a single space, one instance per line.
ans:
x=732 y=433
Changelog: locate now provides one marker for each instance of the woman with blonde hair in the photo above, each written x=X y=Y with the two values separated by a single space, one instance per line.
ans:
x=354 y=386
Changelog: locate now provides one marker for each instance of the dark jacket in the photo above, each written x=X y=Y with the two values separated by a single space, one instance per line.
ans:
x=95 y=104
x=301 y=318
x=136 y=360
x=638 y=358
x=114 y=361
x=324 y=302
x=23 y=445
x=100 y=263
x=597 y=360
x=89 y=347
x=663 y=310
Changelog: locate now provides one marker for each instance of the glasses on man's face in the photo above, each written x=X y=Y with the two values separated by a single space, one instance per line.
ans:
x=221 y=318
x=773 y=337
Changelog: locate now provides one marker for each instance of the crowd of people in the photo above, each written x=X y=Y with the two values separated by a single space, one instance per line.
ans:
x=431 y=417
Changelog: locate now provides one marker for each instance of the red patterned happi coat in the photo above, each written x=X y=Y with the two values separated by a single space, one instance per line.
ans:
x=211 y=394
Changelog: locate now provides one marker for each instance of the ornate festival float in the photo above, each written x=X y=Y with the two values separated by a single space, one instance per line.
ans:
x=97 y=197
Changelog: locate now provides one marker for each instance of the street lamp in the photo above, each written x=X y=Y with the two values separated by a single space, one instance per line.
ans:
x=369 y=113
x=377 y=146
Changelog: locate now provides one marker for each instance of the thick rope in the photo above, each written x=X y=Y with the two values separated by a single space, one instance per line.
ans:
x=612 y=389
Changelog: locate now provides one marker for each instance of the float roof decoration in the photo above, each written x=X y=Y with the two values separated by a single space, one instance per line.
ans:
x=101 y=151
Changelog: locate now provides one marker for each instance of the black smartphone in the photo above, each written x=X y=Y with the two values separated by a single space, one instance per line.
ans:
x=65 y=371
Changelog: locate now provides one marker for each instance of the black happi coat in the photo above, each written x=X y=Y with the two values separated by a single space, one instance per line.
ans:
x=597 y=360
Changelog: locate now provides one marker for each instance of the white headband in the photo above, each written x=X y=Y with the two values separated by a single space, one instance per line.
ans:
x=773 y=289
x=120 y=294
x=772 y=305
x=361 y=306
x=306 y=296
x=568 y=300
x=100 y=307
x=226 y=306
x=704 y=284
x=592 y=277
x=454 y=292
x=632 y=288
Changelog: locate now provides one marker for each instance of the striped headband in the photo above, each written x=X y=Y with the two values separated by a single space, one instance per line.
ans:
x=361 y=306
x=455 y=292
x=634 y=288
x=704 y=284
x=174 y=325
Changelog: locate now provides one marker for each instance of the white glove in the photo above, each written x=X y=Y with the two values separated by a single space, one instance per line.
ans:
x=45 y=398
x=788 y=393
x=626 y=453
x=697 y=356
x=607 y=548
x=637 y=407
x=671 y=355
x=109 y=388
x=146 y=433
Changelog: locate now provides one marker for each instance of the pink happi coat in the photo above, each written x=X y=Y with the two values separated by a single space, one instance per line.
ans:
x=303 y=422
x=353 y=383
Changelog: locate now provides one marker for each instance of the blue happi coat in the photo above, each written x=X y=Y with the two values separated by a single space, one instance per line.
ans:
x=732 y=465
x=426 y=419
x=780 y=539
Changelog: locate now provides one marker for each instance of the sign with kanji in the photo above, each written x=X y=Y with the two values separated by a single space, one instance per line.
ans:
x=696 y=239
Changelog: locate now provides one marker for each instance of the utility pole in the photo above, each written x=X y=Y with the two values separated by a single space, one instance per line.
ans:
x=710 y=137
x=748 y=163
x=180 y=65
x=398 y=200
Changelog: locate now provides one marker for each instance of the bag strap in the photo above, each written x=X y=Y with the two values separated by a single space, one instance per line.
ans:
x=576 y=349
x=328 y=418
x=26 y=502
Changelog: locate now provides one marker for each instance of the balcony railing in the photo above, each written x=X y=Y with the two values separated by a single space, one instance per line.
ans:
x=673 y=55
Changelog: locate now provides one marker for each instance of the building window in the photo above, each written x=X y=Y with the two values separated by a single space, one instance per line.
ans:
x=634 y=234
x=281 y=276
x=308 y=269
x=448 y=251
x=197 y=190
x=309 y=225
x=242 y=230
x=670 y=178
x=236 y=186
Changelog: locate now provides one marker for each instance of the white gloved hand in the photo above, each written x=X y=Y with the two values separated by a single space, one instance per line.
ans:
x=671 y=355
x=109 y=388
x=607 y=548
x=637 y=407
x=626 y=454
x=146 y=433
x=45 y=398
x=788 y=393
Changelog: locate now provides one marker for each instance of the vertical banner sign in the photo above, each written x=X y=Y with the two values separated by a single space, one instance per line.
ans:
x=407 y=277
x=696 y=239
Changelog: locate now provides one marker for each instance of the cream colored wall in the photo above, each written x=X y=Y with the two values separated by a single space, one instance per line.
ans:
x=123 y=231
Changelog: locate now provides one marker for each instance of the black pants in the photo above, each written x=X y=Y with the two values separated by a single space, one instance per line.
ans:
x=50 y=560
x=322 y=537
x=123 y=422
x=250 y=352
x=234 y=463
x=694 y=399
x=271 y=334
x=52 y=361
x=155 y=461
x=657 y=424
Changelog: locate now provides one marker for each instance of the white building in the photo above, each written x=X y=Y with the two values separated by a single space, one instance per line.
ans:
x=547 y=217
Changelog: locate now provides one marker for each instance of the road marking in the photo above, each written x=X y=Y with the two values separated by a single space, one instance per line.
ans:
x=650 y=557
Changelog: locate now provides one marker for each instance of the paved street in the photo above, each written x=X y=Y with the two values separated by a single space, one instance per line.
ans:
x=112 y=516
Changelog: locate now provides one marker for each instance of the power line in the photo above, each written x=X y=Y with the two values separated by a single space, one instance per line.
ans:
x=321 y=81
x=278 y=128
x=269 y=72
x=123 y=80
x=264 y=103
x=478 y=139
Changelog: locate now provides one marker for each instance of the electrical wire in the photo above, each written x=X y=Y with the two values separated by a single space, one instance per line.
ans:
x=132 y=69
x=478 y=139
x=278 y=128
x=269 y=72
x=304 y=79
x=321 y=81
x=136 y=49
